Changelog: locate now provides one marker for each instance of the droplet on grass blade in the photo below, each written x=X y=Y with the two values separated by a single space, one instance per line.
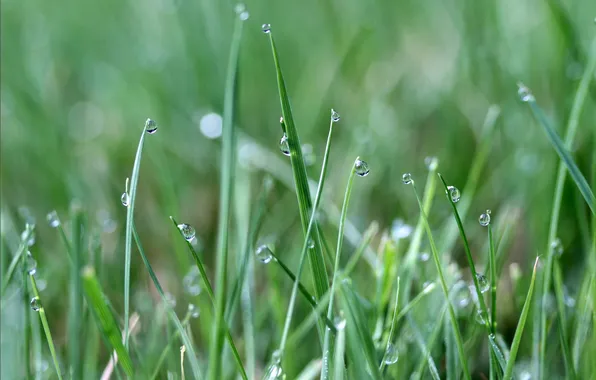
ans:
x=311 y=243
x=483 y=283
x=361 y=168
x=124 y=199
x=391 y=354
x=556 y=247
x=31 y=264
x=453 y=193
x=480 y=317
x=334 y=116
x=264 y=254
x=35 y=304
x=187 y=230
x=53 y=219
x=406 y=178
x=339 y=323
x=170 y=299
x=424 y=256
x=266 y=28
x=150 y=126
x=284 y=147
x=431 y=162
x=274 y=370
x=524 y=93
x=193 y=310
x=31 y=239
x=484 y=218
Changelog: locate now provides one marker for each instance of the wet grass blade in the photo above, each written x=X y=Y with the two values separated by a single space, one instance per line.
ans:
x=340 y=351
x=75 y=310
x=452 y=317
x=105 y=319
x=192 y=357
x=316 y=258
x=564 y=337
x=520 y=326
x=434 y=336
x=393 y=322
x=225 y=203
x=432 y=367
x=16 y=259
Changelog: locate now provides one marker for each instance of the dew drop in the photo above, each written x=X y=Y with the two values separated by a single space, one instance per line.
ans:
x=524 y=93
x=274 y=370
x=124 y=199
x=191 y=282
x=193 y=310
x=311 y=243
x=31 y=264
x=484 y=219
x=308 y=154
x=266 y=28
x=53 y=219
x=241 y=11
x=556 y=247
x=453 y=193
x=284 y=146
x=361 y=168
x=480 y=318
x=170 y=299
x=150 y=126
x=31 y=240
x=406 y=178
x=461 y=295
x=334 y=116
x=431 y=163
x=188 y=231
x=391 y=354
x=482 y=282
x=339 y=323
x=35 y=304
x=424 y=256
x=400 y=230
x=264 y=254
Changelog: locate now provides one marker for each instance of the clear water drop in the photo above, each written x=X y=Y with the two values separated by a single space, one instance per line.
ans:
x=400 y=230
x=31 y=240
x=188 y=231
x=454 y=193
x=241 y=11
x=480 y=317
x=339 y=323
x=308 y=154
x=274 y=370
x=284 y=146
x=557 y=247
x=406 y=178
x=483 y=283
x=484 y=218
x=431 y=163
x=53 y=219
x=192 y=282
x=311 y=243
x=193 y=310
x=461 y=295
x=170 y=299
x=266 y=28
x=391 y=354
x=150 y=126
x=334 y=116
x=424 y=256
x=244 y=16
x=524 y=93
x=264 y=254
x=361 y=168
x=124 y=199
x=31 y=264
x=35 y=304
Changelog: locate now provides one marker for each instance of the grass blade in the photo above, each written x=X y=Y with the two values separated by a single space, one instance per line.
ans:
x=493 y=279
x=316 y=258
x=327 y=347
x=430 y=344
x=305 y=245
x=225 y=199
x=452 y=317
x=168 y=347
x=105 y=319
x=520 y=326
x=558 y=285
x=75 y=311
x=340 y=350
x=16 y=259
x=393 y=322
x=432 y=367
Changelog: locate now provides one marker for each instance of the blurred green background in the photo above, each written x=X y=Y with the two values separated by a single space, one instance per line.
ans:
x=410 y=79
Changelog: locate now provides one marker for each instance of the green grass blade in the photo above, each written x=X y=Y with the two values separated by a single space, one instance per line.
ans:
x=225 y=199
x=307 y=239
x=105 y=319
x=340 y=350
x=168 y=347
x=432 y=367
x=16 y=259
x=46 y=326
x=493 y=279
x=558 y=285
x=316 y=258
x=393 y=323
x=520 y=326
x=434 y=336
x=75 y=310
x=26 y=313
x=327 y=346
x=437 y=260
x=132 y=194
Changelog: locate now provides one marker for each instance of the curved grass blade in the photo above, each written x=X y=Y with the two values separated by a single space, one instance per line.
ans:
x=192 y=357
x=327 y=346
x=316 y=258
x=105 y=319
x=225 y=201
x=520 y=327
x=458 y=338
x=311 y=224
x=558 y=285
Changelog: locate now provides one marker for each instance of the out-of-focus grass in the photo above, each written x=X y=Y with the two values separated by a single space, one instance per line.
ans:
x=410 y=79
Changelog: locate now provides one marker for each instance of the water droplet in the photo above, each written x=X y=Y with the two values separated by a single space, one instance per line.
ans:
x=284 y=146
x=406 y=178
x=35 y=304
x=424 y=256
x=170 y=299
x=244 y=16
x=308 y=154
x=311 y=243
x=150 y=126
x=453 y=193
x=188 y=231
x=484 y=219
x=391 y=354
x=191 y=282
x=461 y=295
x=266 y=28
x=241 y=11
x=193 y=310
x=334 y=116
x=281 y=120
x=31 y=240
x=31 y=264
x=556 y=247
x=567 y=298
x=480 y=317
x=400 y=230
x=524 y=93
x=274 y=370
x=124 y=199
x=361 y=168
x=525 y=375
x=41 y=366
x=483 y=283
x=431 y=163
x=53 y=219
x=264 y=254
x=211 y=125
x=339 y=323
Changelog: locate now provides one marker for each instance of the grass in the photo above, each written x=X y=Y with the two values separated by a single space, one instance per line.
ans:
x=422 y=84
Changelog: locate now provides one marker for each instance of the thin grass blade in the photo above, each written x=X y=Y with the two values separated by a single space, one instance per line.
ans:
x=75 y=310
x=564 y=337
x=393 y=323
